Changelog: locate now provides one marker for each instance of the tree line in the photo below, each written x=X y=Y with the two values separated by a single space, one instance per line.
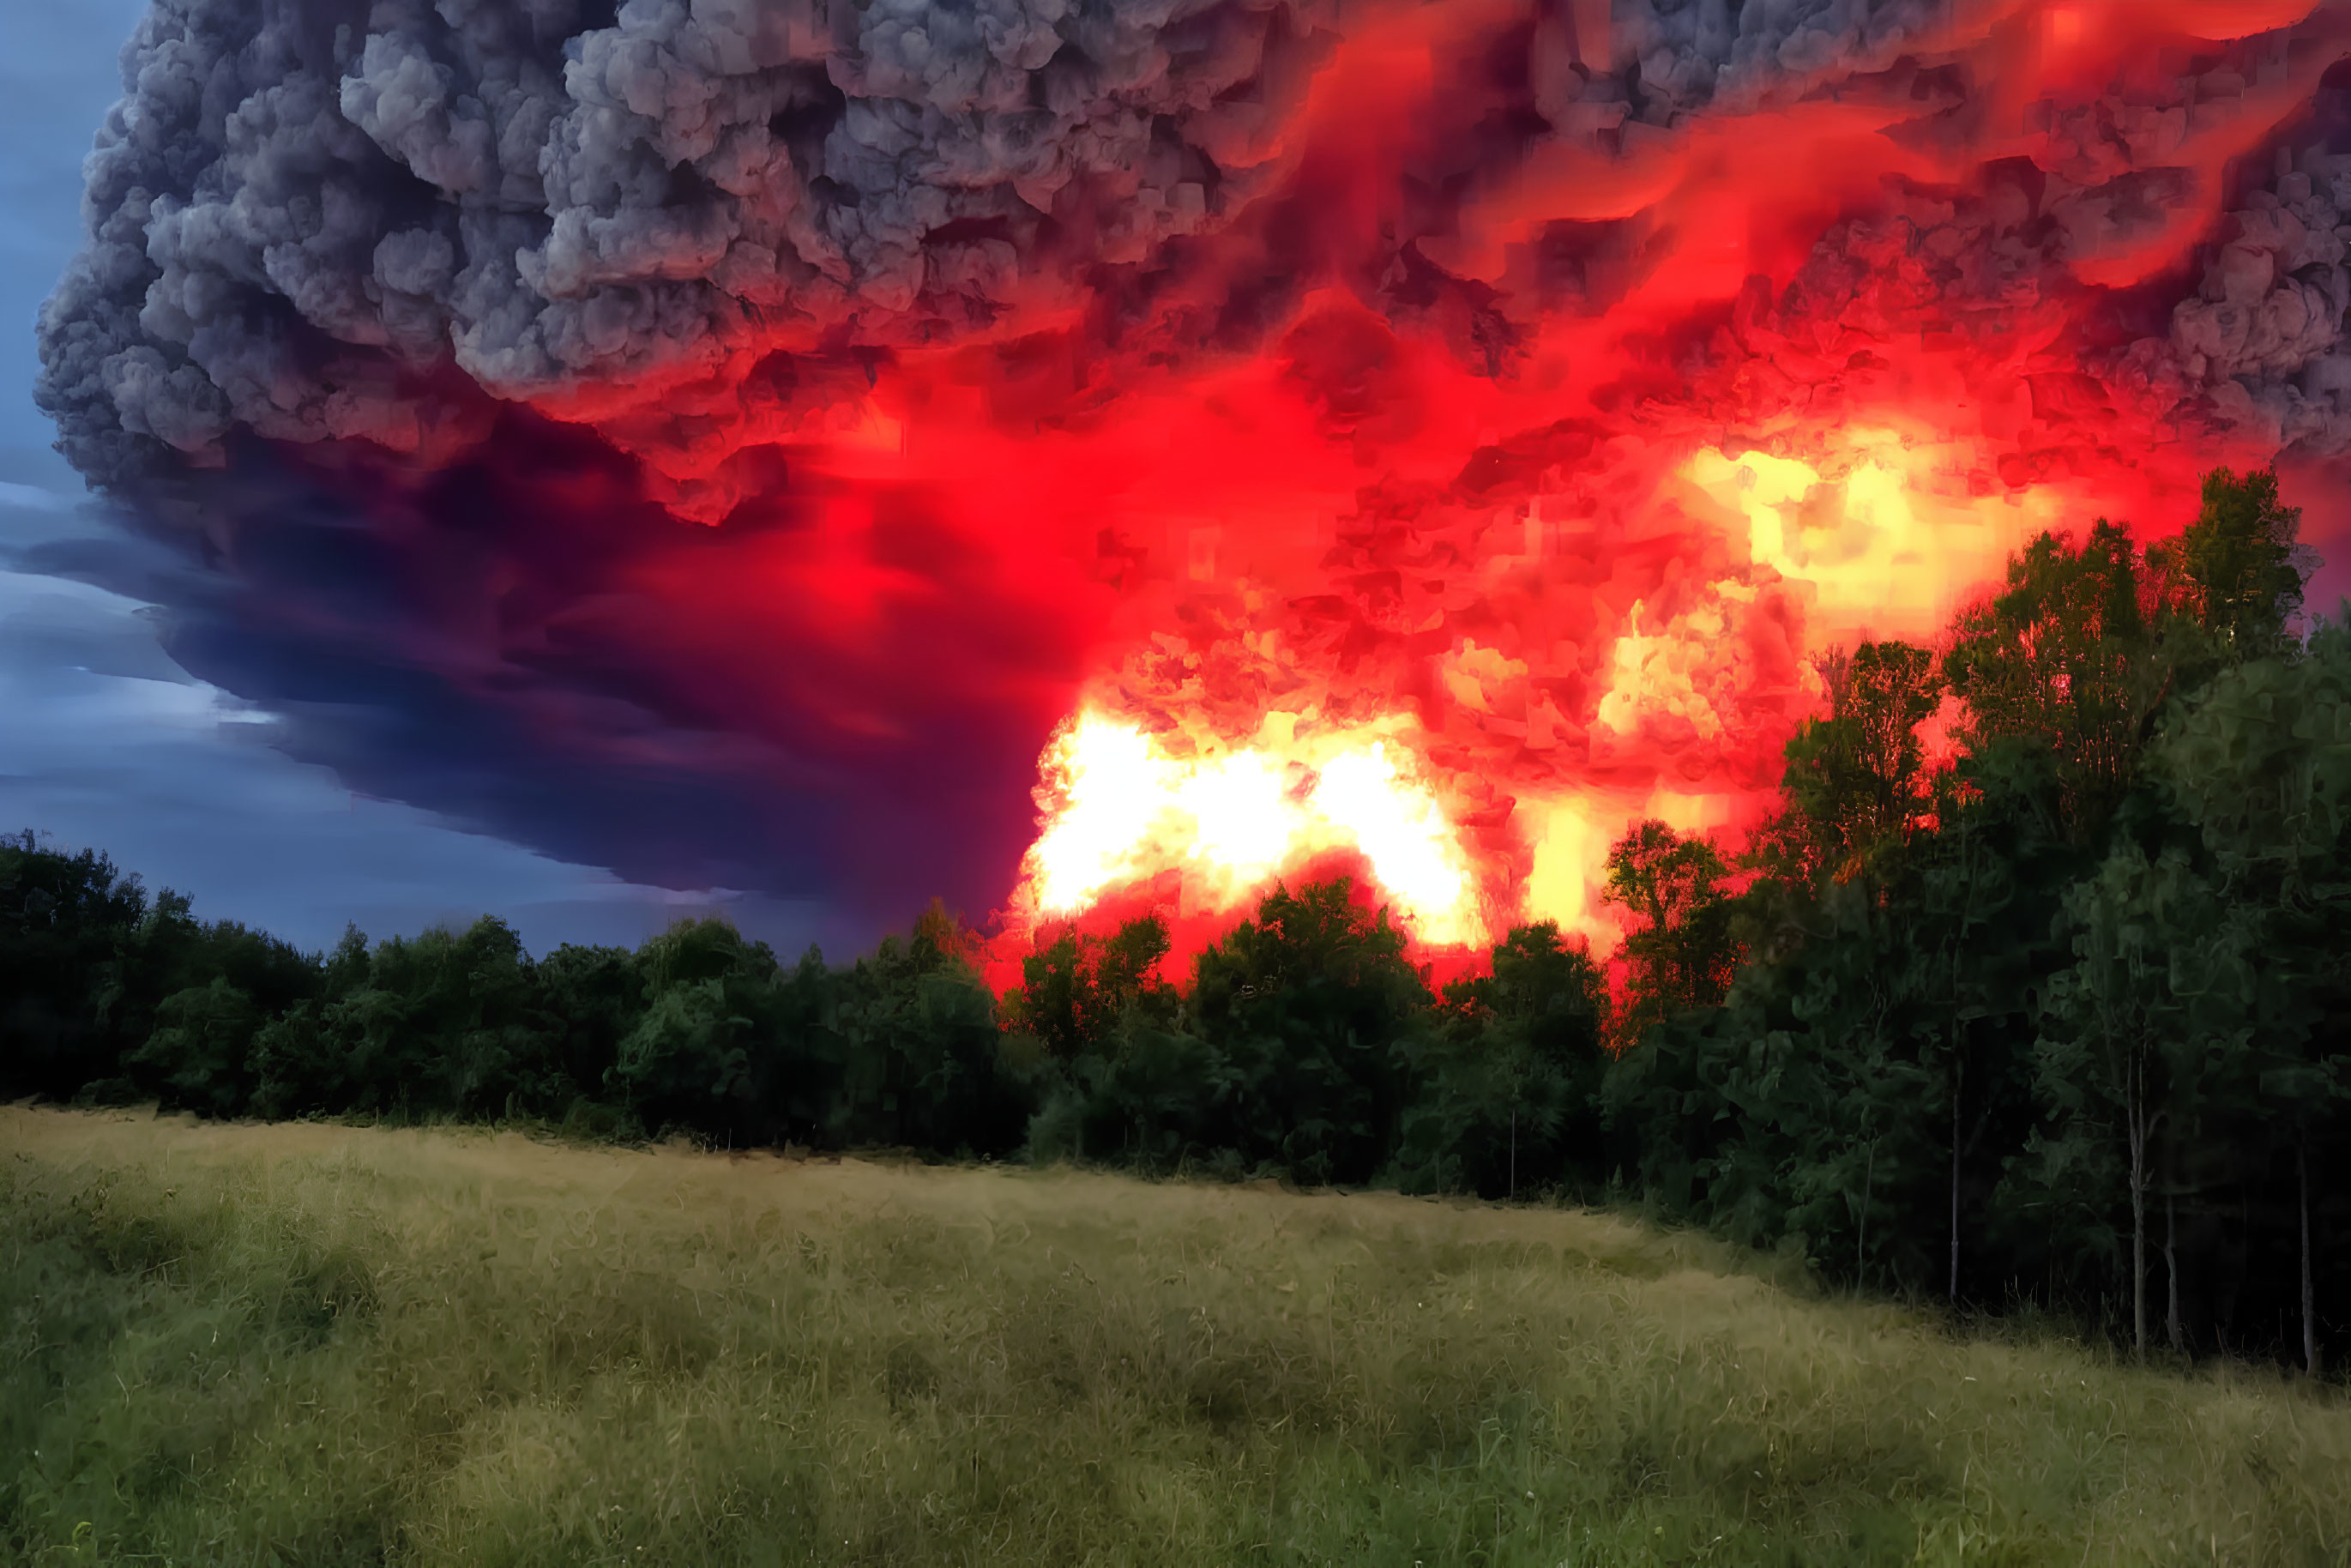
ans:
x=2064 y=1021
x=2056 y=1022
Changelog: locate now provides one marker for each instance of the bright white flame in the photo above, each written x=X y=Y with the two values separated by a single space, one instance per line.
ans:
x=1243 y=825
x=1119 y=809
x=1403 y=833
x=1113 y=786
x=1669 y=672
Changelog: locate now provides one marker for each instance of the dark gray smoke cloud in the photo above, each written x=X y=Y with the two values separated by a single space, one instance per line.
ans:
x=298 y=208
x=301 y=206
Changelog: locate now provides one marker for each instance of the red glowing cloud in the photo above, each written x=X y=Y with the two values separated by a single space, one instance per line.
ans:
x=1430 y=436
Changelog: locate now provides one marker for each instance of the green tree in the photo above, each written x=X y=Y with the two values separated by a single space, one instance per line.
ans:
x=442 y=1023
x=589 y=1000
x=1298 y=1048
x=1313 y=1007
x=1852 y=784
x=2065 y=654
x=1684 y=951
x=2258 y=764
x=63 y=921
x=701 y=1054
x=202 y=1048
x=1075 y=988
x=1832 y=1103
x=2238 y=569
x=1508 y=1086
x=925 y=1062
x=2120 y=1020
x=1978 y=904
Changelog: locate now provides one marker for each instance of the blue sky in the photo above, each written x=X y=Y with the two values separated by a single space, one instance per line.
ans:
x=105 y=743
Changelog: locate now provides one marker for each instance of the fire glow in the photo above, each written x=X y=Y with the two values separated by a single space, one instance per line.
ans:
x=1112 y=456
x=1859 y=539
x=1121 y=809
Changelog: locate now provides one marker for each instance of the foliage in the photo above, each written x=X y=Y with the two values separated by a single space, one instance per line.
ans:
x=2240 y=572
x=1852 y=779
x=1293 y=1050
x=2075 y=1032
x=1076 y=986
x=2065 y=657
x=1684 y=948
x=1511 y=1076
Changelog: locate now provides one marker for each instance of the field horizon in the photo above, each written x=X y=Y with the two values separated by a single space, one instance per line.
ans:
x=316 y=1343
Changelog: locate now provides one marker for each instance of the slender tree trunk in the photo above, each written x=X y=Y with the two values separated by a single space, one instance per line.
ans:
x=1959 y=1089
x=2134 y=1091
x=2309 y=1295
x=1514 y=1154
x=1860 y=1242
x=2171 y=1270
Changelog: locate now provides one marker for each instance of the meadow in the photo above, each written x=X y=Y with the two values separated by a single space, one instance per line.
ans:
x=317 y=1343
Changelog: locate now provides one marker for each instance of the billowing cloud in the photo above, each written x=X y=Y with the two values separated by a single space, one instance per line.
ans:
x=721 y=441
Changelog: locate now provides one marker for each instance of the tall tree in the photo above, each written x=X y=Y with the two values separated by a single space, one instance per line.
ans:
x=1684 y=949
x=2260 y=763
x=2237 y=568
x=1316 y=1010
x=1509 y=1084
x=2120 y=1021
x=1977 y=899
x=1852 y=781
x=2065 y=654
x=1076 y=985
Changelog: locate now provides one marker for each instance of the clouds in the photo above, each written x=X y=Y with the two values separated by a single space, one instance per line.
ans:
x=108 y=743
x=719 y=441
x=297 y=206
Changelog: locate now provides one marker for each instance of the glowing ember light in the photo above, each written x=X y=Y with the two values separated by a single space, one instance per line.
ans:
x=1119 y=809
x=1660 y=676
x=1883 y=527
x=1411 y=492
x=1544 y=462
x=1571 y=839
x=1553 y=739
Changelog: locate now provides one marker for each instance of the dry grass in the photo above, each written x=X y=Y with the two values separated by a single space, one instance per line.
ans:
x=319 y=1344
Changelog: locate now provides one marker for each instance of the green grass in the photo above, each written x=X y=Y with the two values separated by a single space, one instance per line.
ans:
x=321 y=1344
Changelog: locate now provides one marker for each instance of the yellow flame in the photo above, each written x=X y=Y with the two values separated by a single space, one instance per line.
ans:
x=1404 y=834
x=1244 y=823
x=1665 y=673
x=1113 y=788
x=1119 y=809
x=1882 y=527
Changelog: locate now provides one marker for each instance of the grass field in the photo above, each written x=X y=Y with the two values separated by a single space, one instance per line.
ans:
x=317 y=1345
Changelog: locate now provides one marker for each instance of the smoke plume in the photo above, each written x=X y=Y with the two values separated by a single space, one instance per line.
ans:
x=724 y=439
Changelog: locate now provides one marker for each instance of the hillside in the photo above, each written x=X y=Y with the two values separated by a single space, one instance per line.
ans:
x=317 y=1345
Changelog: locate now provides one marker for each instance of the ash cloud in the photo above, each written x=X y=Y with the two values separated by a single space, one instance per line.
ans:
x=484 y=356
x=299 y=209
